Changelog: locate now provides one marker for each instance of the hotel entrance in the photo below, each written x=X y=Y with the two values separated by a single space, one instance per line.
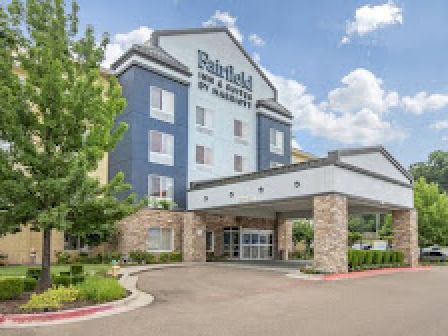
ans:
x=248 y=244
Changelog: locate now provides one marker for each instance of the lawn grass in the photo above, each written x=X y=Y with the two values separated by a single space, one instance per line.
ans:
x=20 y=270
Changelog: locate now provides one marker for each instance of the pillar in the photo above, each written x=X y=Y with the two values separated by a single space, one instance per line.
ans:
x=405 y=239
x=330 y=233
x=194 y=238
x=284 y=238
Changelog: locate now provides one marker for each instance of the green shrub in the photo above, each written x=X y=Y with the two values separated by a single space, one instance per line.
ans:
x=33 y=272
x=101 y=289
x=77 y=279
x=377 y=258
x=63 y=258
x=29 y=284
x=164 y=257
x=149 y=258
x=137 y=256
x=107 y=257
x=358 y=259
x=11 y=288
x=175 y=257
x=51 y=299
x=62 y=280
x=369 y=257
x=76 y=269
x=66 y=273
x=399 y=257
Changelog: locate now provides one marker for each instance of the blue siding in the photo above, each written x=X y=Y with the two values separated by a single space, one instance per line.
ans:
x=264 y=155
x=131 y=155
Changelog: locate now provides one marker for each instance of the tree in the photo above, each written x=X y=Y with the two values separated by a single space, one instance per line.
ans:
x=432 y=207
x=434 y=170
x=59 y=123
x=303 y=230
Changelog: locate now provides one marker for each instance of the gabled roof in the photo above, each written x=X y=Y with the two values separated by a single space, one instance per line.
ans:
x=155 y=54
x=155 y=36
x=274 y=106
x=372 y=149
x=332 y=159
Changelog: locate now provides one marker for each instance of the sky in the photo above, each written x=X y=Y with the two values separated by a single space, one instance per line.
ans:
x=353 y=73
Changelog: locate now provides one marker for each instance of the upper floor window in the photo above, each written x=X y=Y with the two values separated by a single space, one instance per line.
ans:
x=204 y=119
x=277 y=141
x=162 y=104
x=160 y=187
x=240 y=130
x=204 y=155
x=239 y=163
x=161 y=148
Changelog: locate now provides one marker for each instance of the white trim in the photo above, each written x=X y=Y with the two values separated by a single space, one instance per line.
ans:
x=156 y=66
x=273 y=115
x=160 y=229
x=161 y=158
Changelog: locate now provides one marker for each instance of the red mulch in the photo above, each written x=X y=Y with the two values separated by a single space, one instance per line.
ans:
x=13 y=306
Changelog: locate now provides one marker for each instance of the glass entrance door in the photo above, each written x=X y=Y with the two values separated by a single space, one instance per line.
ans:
x=256 y=244
x=231 y=247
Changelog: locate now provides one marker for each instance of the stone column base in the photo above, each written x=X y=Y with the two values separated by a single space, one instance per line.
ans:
x=284 y=238
x=330 y=233
x=194 y=238
x=405 y=238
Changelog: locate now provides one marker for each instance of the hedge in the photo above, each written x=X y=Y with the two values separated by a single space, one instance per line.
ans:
x=11 y=288
x=359 y=259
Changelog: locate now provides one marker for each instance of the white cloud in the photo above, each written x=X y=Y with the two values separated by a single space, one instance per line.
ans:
x=256 y=40
x=369 y=18
x=423 y=101
x=439 y=125
x=256 y=57
x=352 y=113
x=226 y=19
x=445 y=138
x=121 y=42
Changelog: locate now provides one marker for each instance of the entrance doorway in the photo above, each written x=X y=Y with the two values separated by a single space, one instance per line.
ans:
x=256 y=244
x=231 y=246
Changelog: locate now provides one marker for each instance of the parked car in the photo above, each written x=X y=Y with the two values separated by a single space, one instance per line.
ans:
x=433 y=255
x=359 y=246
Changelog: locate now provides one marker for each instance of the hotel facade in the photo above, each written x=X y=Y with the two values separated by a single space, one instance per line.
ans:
x=206 y=131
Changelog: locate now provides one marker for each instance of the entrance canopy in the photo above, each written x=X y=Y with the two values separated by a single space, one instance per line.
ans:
x=370 y=178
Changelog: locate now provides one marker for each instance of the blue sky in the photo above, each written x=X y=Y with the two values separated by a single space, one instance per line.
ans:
x=353 y=72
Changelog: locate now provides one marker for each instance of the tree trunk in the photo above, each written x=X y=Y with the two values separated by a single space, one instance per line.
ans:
x=45 y=276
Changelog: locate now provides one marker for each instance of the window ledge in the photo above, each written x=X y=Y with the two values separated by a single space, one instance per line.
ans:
x=241 y=141
x=162 y=115
x=204 y=129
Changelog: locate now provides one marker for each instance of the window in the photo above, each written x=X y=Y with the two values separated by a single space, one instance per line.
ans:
x=277 y=141
x=204 y=119
x=160 y=187
x=239 y=163
x=160 y=239
x=72 y=242
x=162 y=104
x=240 y=130
x=209 y=241
x=274 y=164
x=161 y=148
x=204 y=155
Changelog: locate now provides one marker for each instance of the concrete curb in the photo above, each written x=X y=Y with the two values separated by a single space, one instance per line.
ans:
x=128 y=279
x=355 y=275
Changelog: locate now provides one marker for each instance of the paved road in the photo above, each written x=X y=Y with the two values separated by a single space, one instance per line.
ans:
x=217 y=300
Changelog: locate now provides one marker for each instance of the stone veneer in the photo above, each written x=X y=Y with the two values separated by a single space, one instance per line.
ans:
x=284 y=238
x=190 y=231
x=330 y=233
x=405 y=238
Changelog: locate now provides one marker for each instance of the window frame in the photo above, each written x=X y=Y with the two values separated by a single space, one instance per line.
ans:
x=157 y=157
x=208 y=118
x=162 y=113
x=276 y=148
x=213 y=241
x=243 y=163
x=244 y=131
x=159 y=250
x=205 y=164
x=161 y=184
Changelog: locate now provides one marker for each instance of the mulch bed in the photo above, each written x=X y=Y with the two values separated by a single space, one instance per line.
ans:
x=13 y=306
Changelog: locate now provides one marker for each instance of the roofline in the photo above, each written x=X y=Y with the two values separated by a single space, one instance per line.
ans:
x=171 y=32
x=260 y=103
x=331 y=160
x=133 y=50
x=373 y=149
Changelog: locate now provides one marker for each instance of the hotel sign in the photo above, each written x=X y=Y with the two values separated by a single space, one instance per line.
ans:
x=224 y=81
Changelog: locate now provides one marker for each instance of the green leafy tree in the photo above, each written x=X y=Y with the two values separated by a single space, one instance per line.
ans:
x=303 y=230
x=432 y=207
x=435 y=169
x=59 y=123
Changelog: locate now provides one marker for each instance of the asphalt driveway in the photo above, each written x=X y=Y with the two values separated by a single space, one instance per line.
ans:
x=218 y=300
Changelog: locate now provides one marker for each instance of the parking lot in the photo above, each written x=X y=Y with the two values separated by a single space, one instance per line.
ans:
x=218 y=300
